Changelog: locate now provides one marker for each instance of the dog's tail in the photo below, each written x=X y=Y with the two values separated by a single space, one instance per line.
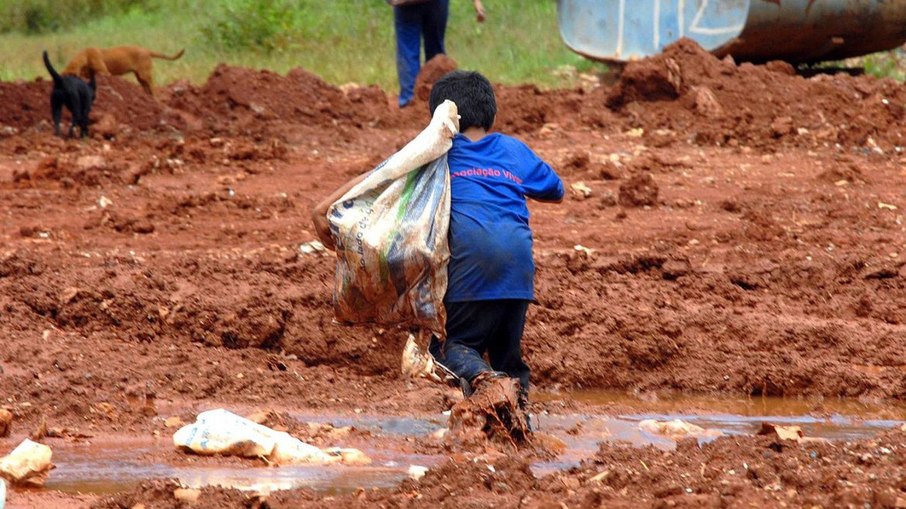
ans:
x=165 y=57
x=57 y=79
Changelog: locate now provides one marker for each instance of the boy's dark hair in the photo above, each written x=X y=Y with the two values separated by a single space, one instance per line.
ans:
x=473 y=95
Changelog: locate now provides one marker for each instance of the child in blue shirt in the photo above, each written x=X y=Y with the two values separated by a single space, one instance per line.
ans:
x=491 y=268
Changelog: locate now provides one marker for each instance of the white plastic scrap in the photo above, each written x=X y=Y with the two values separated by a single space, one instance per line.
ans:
x=311 y=247
x=222 y=432
x=416 y=472
x=28 y=463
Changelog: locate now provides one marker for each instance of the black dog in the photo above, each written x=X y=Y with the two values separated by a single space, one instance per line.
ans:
x=73 y=93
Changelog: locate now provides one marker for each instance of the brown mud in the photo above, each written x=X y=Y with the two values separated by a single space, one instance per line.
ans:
x=743 y=236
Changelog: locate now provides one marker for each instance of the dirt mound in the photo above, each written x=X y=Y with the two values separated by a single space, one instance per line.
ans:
x=23 y=104
x=639 y=191
x=688 y=90
x=433 y=70
x=240 y=98
x=129 y=105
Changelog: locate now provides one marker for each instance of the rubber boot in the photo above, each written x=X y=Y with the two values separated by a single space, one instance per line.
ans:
x=469 y=387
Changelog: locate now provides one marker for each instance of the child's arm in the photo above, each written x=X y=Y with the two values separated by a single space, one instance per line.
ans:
x=550 y=200
x=542 y=183
x=319 y=213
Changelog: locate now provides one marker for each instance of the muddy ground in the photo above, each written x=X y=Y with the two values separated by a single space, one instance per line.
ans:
x=743 y=236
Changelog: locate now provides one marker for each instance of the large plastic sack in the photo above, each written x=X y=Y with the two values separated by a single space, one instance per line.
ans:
x=391 y=234
x=223 y=432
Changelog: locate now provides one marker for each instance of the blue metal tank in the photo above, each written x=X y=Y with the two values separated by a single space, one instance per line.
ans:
x=756 y=30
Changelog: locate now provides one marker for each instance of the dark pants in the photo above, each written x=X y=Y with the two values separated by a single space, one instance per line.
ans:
x=492 y=326
x=412 y=22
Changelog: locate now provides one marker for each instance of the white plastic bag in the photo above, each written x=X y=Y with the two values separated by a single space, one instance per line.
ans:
x=391 y=234
x=2 y=493
x=222 y=432
x=28 y=463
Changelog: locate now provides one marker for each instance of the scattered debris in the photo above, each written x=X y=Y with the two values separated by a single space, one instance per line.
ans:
x=581 y=190
x=639 y=191
x=6 y=422
x=882 y=205
x=173 y=422
x=313 y=247
x=579 y=248
x=416 y=472
x=104 y=202
x=635 y=133
x=677 y=429
x=222 y=432
x=788 y=433
x=28 y=464
x=187 y=496
x=793 y=433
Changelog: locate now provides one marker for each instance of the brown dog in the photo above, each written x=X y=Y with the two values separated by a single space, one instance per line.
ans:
x=116 y=61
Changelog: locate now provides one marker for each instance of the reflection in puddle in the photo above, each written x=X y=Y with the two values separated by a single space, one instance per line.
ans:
x=117 y=466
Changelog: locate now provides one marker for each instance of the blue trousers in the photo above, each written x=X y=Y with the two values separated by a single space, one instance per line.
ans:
x=426 y=20
x=487 y=326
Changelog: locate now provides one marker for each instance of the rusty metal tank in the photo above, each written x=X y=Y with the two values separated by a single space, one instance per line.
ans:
x=798 y=31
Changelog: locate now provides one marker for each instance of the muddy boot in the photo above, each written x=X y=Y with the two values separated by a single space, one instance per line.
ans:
x=470 y=386
x=491 y=411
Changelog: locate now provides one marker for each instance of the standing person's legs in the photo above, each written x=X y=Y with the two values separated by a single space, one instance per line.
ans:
x=505 y=347
x=407 y=22
x=469 y=325
x=434 y=27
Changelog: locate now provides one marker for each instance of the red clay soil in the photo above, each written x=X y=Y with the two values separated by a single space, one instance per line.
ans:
x=729 y=472
x=159 y=259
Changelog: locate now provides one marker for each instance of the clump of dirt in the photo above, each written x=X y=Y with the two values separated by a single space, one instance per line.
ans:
x=127 y=104
x=23 y=104
x=169 y=494
x=240 y=98
x=640 y=190
x=718 y=102
x=6 y=421
x=492 y=413
x=433 y=70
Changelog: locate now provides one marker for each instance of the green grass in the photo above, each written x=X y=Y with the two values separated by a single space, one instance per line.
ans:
x=340 y=40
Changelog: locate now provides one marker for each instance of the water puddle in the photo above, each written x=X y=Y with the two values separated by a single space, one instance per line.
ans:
x=116 y=466
x=104 y=468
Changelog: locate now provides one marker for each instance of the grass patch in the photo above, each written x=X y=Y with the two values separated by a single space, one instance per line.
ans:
x=342 y=40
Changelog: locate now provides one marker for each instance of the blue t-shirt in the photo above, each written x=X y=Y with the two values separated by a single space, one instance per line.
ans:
x=490 y=239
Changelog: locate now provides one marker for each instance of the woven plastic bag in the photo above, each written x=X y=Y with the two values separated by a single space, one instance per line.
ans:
x=391 y=234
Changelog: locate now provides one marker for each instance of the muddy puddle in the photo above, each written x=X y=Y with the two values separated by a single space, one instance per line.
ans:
x=116 y=466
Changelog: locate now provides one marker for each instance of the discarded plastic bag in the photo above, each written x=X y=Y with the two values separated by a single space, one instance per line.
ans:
x=2 y=493
x=391 y=234
x=677 y=429
x=223 y=432
x=29 y=463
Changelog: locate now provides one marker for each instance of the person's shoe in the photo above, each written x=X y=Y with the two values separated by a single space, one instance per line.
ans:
x=469 y=387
